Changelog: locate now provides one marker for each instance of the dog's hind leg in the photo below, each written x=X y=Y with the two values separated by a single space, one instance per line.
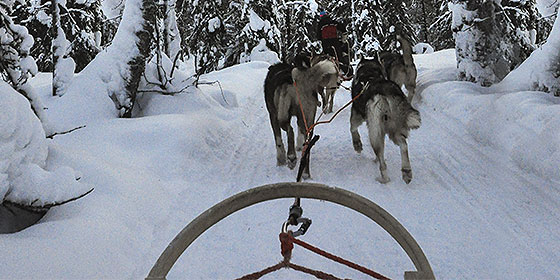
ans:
x=376 y=131
x=330 y=99
x=292 y=158
x=300 y=139
x=405 y=161
x=280 y=150
x=324 y=100
x=378 y=143
x=355 y=121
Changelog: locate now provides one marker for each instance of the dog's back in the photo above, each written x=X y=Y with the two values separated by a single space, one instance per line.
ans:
x=385 y=98
x=278 y=74
x=369 y=71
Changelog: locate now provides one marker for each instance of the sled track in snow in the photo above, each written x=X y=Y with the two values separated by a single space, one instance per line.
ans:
x=287 y=190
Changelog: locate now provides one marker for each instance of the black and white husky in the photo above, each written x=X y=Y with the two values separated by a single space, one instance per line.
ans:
x=289 y=90
x=386 y=111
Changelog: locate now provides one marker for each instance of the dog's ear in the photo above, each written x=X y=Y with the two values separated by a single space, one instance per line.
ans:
x=302 y=61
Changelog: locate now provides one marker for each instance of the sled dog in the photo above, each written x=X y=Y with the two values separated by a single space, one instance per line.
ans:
x=400 y=68
x=386 y=111
x=327 y=93
x=282 y=86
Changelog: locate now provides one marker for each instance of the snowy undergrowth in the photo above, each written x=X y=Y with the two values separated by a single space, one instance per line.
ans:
x=23 y=155
x=89 y=95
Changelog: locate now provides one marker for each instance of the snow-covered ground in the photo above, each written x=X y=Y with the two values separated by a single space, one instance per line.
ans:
x=483 y=203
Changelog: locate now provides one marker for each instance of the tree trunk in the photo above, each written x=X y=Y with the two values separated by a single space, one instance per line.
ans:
x=137 y=63
x=55 y=28
x=63 y=65
x=171 y=30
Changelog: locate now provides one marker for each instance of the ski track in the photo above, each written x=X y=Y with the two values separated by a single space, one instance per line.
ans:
x=451 y=171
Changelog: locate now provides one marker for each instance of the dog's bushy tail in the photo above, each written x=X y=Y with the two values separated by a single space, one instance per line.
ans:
x=377 y=111
x=407 y=50
x=413 y=120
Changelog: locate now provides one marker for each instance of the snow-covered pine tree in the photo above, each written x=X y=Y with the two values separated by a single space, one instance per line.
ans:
x=541 y=71
x=423 y=13
x=485 y=41
x=530 y=27
x=16 y=63
x=220 y=34
x=372 y=22
x=299 y=30
x=362 y=20
x=82 y=22
x=440 y=29
x=209 y=28
x=369 y=24
x=432 y=22
x=261 y=22
x=166 y=45
x=171 y=35
x=63 y=66
x=395 y=20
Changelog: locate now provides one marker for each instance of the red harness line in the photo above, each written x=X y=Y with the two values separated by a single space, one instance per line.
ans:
x=285 y=237
x=309 y=128
x=287 y=244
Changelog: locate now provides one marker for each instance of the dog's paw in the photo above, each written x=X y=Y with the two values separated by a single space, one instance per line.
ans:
x=281 y=160
x=383 y=180
x=292 y=160
x=306 y=175
x=406 y=175
x=357 y=146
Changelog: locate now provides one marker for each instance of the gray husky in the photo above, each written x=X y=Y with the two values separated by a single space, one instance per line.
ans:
x=400 y=68
x=288 y=91
x=386 y=110
x=327 y=94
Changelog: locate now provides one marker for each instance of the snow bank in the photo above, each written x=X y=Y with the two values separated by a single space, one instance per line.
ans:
x=524 y=124
x=537 y=72
x=23 y=156
x=262 y=53
x=423 y=48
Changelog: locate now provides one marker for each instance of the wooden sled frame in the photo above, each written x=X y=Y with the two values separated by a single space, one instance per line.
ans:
x=289 y=190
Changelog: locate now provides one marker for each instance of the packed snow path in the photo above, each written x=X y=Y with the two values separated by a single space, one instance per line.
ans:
x=475 y=212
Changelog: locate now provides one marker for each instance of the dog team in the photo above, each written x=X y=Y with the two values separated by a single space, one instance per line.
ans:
x=292 y=90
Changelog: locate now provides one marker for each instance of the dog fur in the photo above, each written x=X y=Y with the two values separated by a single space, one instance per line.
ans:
x=327 y=93
x=400 y=68
x=386 y=111
x=282 y=102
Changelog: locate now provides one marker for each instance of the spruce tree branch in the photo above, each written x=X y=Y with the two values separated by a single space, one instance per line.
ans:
x=165 y=92
x=45 y=207
x=64 y=132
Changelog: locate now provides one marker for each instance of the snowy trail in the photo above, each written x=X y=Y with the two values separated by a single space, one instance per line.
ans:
x=468 y=204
